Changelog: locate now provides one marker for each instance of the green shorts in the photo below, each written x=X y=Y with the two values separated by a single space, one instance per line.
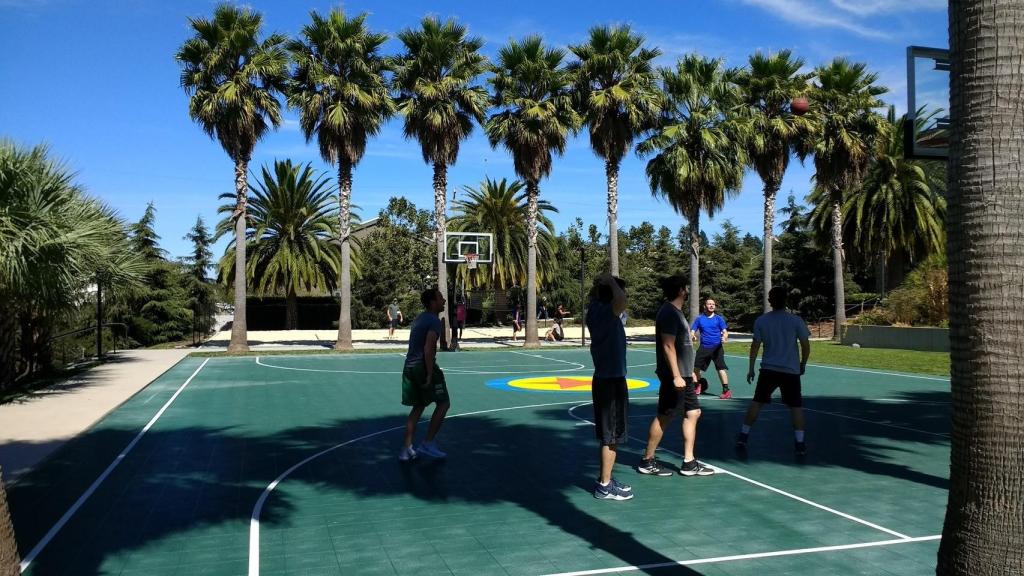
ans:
x=415 y=391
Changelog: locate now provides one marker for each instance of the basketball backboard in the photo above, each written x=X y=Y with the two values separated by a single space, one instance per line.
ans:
x=458 y=244
x=926 y=132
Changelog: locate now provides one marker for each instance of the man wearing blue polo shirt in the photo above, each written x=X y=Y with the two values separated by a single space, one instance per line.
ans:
x=713 y=333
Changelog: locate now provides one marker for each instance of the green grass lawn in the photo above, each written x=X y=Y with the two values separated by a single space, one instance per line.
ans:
x=933 y=363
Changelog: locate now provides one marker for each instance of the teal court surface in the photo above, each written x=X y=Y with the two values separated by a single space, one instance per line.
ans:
x=287 y=465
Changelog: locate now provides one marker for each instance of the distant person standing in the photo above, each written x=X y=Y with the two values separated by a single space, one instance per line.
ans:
x=423 y=381
x=713 y=334
x=677 y=393
x=460 y=317
x=781 y=368
x=394 y=318
x=517 y=321
x=608 y=385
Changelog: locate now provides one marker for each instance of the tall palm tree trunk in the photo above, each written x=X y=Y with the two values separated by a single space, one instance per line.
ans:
x=239 y=329
x=532 y=193
x=611 y=170
x=983 y=534
x=345 y=282
x=694 y=266
x=771 y=190
x=9 y=562
x=291 y=310
x=837 y=264
x=440 y=200
x=8 y=344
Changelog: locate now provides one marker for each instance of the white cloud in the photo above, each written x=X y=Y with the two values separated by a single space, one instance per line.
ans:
x=874 y=7
x=813 y=14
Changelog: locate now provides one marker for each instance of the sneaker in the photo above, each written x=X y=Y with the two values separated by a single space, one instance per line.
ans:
x=726 y=394
x=407 y=454
x=430 y=449
x=624 y=487
x=801 y=448
x=652 y=468
x=695 y=468
x=611 y=491
x=741 y=440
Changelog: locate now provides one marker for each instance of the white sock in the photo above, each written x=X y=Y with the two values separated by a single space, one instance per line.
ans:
x=745 y=429
x=799 y=435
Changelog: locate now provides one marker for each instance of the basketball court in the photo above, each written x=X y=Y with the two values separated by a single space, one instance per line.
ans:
x=287 y=465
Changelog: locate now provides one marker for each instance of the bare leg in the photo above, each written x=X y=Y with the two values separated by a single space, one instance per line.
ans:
x=410 y=424
x=607 y=462
x=655 y=433
x=436 y=419
x=798 y=418
x=752 y=412
x=690 y=433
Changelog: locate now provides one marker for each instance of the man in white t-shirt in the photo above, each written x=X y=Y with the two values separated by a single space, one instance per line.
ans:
x=781 y=368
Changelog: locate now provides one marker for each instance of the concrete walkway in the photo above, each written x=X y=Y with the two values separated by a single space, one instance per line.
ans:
x=36 y=425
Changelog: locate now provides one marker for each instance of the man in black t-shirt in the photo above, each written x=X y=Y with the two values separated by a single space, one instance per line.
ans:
x=678 y=390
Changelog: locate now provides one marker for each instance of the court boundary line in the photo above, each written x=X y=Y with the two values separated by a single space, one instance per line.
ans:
x=752 y=556
x=254 y=519
x=897 y=426
x=843 y=368
x=56 y=528
x=766 y=486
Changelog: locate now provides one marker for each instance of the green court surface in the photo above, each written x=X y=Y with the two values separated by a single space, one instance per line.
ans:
x=287 y=465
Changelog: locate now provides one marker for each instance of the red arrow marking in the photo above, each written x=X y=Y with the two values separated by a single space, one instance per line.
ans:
x=564 y=383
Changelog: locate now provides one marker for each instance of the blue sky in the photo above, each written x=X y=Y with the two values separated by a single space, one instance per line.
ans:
x=96 y=80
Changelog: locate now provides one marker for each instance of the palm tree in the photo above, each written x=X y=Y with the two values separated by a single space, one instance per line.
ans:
x=339 y=88
x=54 y=243
x=845 y=132
x=698 y=152
x=289 y=237
x=533 y=118
x=503 y=209
x=768 y=85
x=437 y=95
x=617 y=94
x=984 y=525
x=9 y=562
x=232 y=78
x=898 y=214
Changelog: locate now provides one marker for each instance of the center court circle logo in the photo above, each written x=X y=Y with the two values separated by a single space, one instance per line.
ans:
x=557 y=384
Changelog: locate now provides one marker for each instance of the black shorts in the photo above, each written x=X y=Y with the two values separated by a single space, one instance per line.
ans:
x=672 y=400
x=394 y=323
x=611 y=409
x=705 y=356
x=789 y=384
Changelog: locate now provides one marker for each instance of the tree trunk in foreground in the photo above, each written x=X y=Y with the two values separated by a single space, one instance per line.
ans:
x=8 y=344
x=983 y=533
x=837 y=268
x=533 y=192
x=440 y=211
x=345 y=282
x=611 y=170
x=239 y=341
x=9 y=562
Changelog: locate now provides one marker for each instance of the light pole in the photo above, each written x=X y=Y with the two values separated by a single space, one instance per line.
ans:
x=583 y=303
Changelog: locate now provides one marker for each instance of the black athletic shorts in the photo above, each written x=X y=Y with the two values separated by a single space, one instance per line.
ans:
x=394 y=323
x=705 y=356
x=611 y=410
x=789 y=384
x=672 y=400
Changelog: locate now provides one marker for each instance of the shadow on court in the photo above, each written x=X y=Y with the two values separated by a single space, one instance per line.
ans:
x=206 y=480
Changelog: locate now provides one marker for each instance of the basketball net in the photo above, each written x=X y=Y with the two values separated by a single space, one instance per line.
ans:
x=471 y=261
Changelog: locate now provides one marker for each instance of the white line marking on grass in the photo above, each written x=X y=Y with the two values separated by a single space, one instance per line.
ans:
x=877 y=423
x=754 y=556
x=31 y=556
x=771 y=488
x=254 y=520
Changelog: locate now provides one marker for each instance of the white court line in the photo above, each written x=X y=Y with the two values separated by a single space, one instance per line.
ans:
x=451 y=370
x=31 y=556
x=771 y=488
x=254 y=520
x=733 y=558
x=864 y=370
x=546 y=358
x=837 y=415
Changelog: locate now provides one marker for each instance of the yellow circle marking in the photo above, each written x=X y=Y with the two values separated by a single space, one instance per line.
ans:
x=565 y=383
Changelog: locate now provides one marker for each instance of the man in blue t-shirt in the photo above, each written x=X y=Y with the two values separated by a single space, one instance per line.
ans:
x=608 y=385
x=422 y=379
x=781 y=368
x=713 y=333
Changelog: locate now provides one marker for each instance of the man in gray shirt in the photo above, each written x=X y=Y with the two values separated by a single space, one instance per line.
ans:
x=678 y=390
x=394 y=317
x=423 y=381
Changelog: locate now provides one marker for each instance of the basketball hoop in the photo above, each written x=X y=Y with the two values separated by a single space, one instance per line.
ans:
x=471 y=261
